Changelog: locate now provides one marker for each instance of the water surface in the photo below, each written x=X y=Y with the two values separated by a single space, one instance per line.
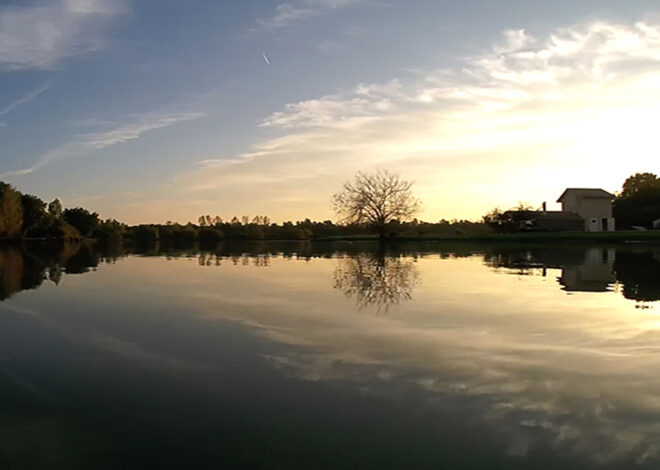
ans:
x=330 y=356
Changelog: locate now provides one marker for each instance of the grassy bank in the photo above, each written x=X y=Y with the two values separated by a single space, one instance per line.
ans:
x=559 y=237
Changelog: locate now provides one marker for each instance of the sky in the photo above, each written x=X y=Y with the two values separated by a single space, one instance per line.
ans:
x=155 y=110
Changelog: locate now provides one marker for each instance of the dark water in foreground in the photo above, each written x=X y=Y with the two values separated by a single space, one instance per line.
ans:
x=331 y=356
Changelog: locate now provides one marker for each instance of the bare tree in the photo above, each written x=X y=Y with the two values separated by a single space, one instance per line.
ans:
x=376 y=199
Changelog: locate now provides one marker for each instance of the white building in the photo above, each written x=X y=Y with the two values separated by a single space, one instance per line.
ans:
x=593 y=205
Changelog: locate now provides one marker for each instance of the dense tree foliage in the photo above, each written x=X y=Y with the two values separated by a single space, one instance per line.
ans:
x=34 y=211
x=513 y=220
x=27 y=216
x=55 y=208
x=11 y=212
x=82 y=219
x=638 y=203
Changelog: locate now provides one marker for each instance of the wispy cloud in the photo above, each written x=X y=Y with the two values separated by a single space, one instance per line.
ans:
x=42 y=34
x=88 y=144
x=289 y=13
x=525 y=107
x=26 y=98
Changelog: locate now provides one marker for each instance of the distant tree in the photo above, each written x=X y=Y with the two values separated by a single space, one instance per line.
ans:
x=109 y=230
x=34 y=211
x=638 y=203
x=497 y=221
x=376 y=200
x=147 y=233
x=55 y=208
x=53 y=227
x=506 y=221
x=11 y=212
x=82 y=219
x=202 y=221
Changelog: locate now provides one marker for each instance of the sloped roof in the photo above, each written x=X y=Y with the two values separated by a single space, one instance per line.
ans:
x=595 y=193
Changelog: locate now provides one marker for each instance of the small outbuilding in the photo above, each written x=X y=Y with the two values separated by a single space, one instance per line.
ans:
x=591 y=204
x=545 y=221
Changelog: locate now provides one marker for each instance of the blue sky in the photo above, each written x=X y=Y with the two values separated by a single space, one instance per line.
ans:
x=154 y=110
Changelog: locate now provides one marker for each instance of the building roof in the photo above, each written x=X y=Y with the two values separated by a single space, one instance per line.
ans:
x=594 y=193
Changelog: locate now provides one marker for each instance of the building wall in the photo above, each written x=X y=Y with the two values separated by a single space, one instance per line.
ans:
x=598 y=224
x=593 y=210
x=569 y=204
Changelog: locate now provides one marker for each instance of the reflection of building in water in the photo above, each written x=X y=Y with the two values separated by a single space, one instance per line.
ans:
x=594 y=274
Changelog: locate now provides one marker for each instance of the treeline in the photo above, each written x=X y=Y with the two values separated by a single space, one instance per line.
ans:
x=214 y=229
x=24 y=216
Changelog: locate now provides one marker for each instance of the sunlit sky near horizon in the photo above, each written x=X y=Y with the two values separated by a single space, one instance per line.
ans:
x=155 y=110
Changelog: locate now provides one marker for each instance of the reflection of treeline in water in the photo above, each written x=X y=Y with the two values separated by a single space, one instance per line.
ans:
x=372 y=265
x=27 y=267
x=304 y=249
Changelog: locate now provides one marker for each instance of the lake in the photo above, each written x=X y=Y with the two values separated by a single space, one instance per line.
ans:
x=345 y=355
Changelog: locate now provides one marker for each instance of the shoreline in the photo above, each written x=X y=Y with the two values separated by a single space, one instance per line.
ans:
x=568 y=237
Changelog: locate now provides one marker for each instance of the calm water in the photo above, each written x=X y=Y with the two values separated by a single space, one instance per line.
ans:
x=331 y=356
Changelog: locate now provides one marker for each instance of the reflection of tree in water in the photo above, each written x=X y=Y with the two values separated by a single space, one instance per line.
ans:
x=11 y=272
x=27 y=267
x=376 y=280
x=639 y=273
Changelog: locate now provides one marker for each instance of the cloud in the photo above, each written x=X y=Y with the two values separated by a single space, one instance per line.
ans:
x=87 y=144
x=580 y=98
x=43 y=34
x=26 y=98
x=290 y=13
x=328 y=45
